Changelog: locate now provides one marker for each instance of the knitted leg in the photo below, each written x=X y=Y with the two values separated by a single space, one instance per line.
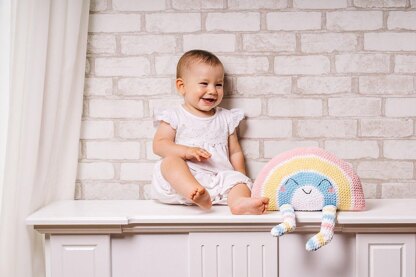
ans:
x=289 y=222
x=327 y=229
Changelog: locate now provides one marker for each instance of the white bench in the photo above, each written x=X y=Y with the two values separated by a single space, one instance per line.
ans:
x=144 y=238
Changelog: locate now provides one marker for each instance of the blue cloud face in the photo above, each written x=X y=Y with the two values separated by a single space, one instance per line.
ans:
x=307 y=191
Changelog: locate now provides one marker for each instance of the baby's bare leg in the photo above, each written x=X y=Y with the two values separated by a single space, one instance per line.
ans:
x=240 y=201
x=177 y=173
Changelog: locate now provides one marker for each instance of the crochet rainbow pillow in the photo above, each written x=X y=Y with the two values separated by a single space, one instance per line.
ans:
x=309 y=179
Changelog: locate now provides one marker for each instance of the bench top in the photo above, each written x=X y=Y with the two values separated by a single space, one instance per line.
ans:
x=130 y=212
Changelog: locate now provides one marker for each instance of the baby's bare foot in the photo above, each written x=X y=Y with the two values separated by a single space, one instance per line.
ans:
x=248 y=205
x=202 y=198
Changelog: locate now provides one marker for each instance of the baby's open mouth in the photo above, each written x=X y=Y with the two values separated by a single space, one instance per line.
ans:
x=211 y=100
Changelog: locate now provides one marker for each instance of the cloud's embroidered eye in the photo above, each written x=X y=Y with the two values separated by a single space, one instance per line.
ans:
x=325 y=181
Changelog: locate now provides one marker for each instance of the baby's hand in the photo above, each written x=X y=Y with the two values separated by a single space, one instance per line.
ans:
x=196 y=153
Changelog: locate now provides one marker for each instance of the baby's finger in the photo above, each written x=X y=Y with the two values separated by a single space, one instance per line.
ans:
x=205 y=153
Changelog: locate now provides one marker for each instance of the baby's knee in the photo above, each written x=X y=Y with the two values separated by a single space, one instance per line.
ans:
x=171 y=160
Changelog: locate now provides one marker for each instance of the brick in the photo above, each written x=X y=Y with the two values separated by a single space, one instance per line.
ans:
x=166 y=65
x=164 y=103
x=386 y=128
x=247 y=21
x=98 y=86
x=405 y=64
x=362 y=63
x=294 y=107
x=385 y=170
x=390 y=41
x=127 y=5
x=136 y=171
x=255 y=5
x=354 y=20
x=380 y=3
x=327 y=128
x=147 y=44
x=211 y=42
x=387 y=84
x=98 y=5
x=124 y=67
x=173 y=22
x=110 y=191
x=402 y=20
x=254 y=168
x=87 y=67
x=115 y=108
x=329 y=42
x=265 y=128
x=400 y=149
x=93 y=129
x=136 y=129
x=354 y=106
x=149 y=152
x=97 y=171
x=251 y=148
x=320 y=4
x=398 y=190
x=324 y=85
x=288 y=65
x=400 y=107
x=370 y=190
x=145 y=87
x=273 y=42
x=245 y=64
x=264 y=85
x=292 y=21
x=353 y=149
x=114 y=23
x=78 y=192
x=250 y=106
x=197 y=4
x=113 y=150
x=273 y=148
x=101 y=44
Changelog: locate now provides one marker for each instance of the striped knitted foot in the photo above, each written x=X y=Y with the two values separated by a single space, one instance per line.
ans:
x=327 y=229
x=289 y=222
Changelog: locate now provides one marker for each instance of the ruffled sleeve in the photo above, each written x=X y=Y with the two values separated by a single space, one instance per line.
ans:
x=167 y=115
x=236 y=115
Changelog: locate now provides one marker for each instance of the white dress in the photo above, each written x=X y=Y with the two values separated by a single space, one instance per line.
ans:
x=217 y=175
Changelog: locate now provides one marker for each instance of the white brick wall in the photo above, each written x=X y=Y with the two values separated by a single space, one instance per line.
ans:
x=338 y=74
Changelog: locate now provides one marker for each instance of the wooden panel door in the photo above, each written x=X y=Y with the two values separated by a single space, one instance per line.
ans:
x=229 y=254
x=80 y=255
x=385 y=255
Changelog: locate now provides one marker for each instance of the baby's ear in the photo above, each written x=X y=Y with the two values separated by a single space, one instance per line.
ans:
x=180 y=86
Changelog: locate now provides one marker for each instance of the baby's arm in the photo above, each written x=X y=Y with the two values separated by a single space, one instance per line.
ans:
x=164 y=145
x=236 y=153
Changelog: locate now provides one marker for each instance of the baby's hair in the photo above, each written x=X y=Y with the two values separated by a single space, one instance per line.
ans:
x=195 y=56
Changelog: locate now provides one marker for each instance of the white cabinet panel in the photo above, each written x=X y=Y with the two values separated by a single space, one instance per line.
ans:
x=150 y=255
x=386 y=255
x=81 y=256
x=334 y=259
x=251 y=254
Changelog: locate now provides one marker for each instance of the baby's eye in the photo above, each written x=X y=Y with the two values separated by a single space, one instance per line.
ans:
x=219 y=85
x=203 y=83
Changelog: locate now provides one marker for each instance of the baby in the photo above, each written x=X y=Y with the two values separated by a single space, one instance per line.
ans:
x=202 y=163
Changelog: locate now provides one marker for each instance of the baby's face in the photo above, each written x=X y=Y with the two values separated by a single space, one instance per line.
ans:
x=202 y=87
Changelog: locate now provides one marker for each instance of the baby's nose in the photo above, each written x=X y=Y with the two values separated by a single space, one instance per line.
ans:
x=212 y=89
